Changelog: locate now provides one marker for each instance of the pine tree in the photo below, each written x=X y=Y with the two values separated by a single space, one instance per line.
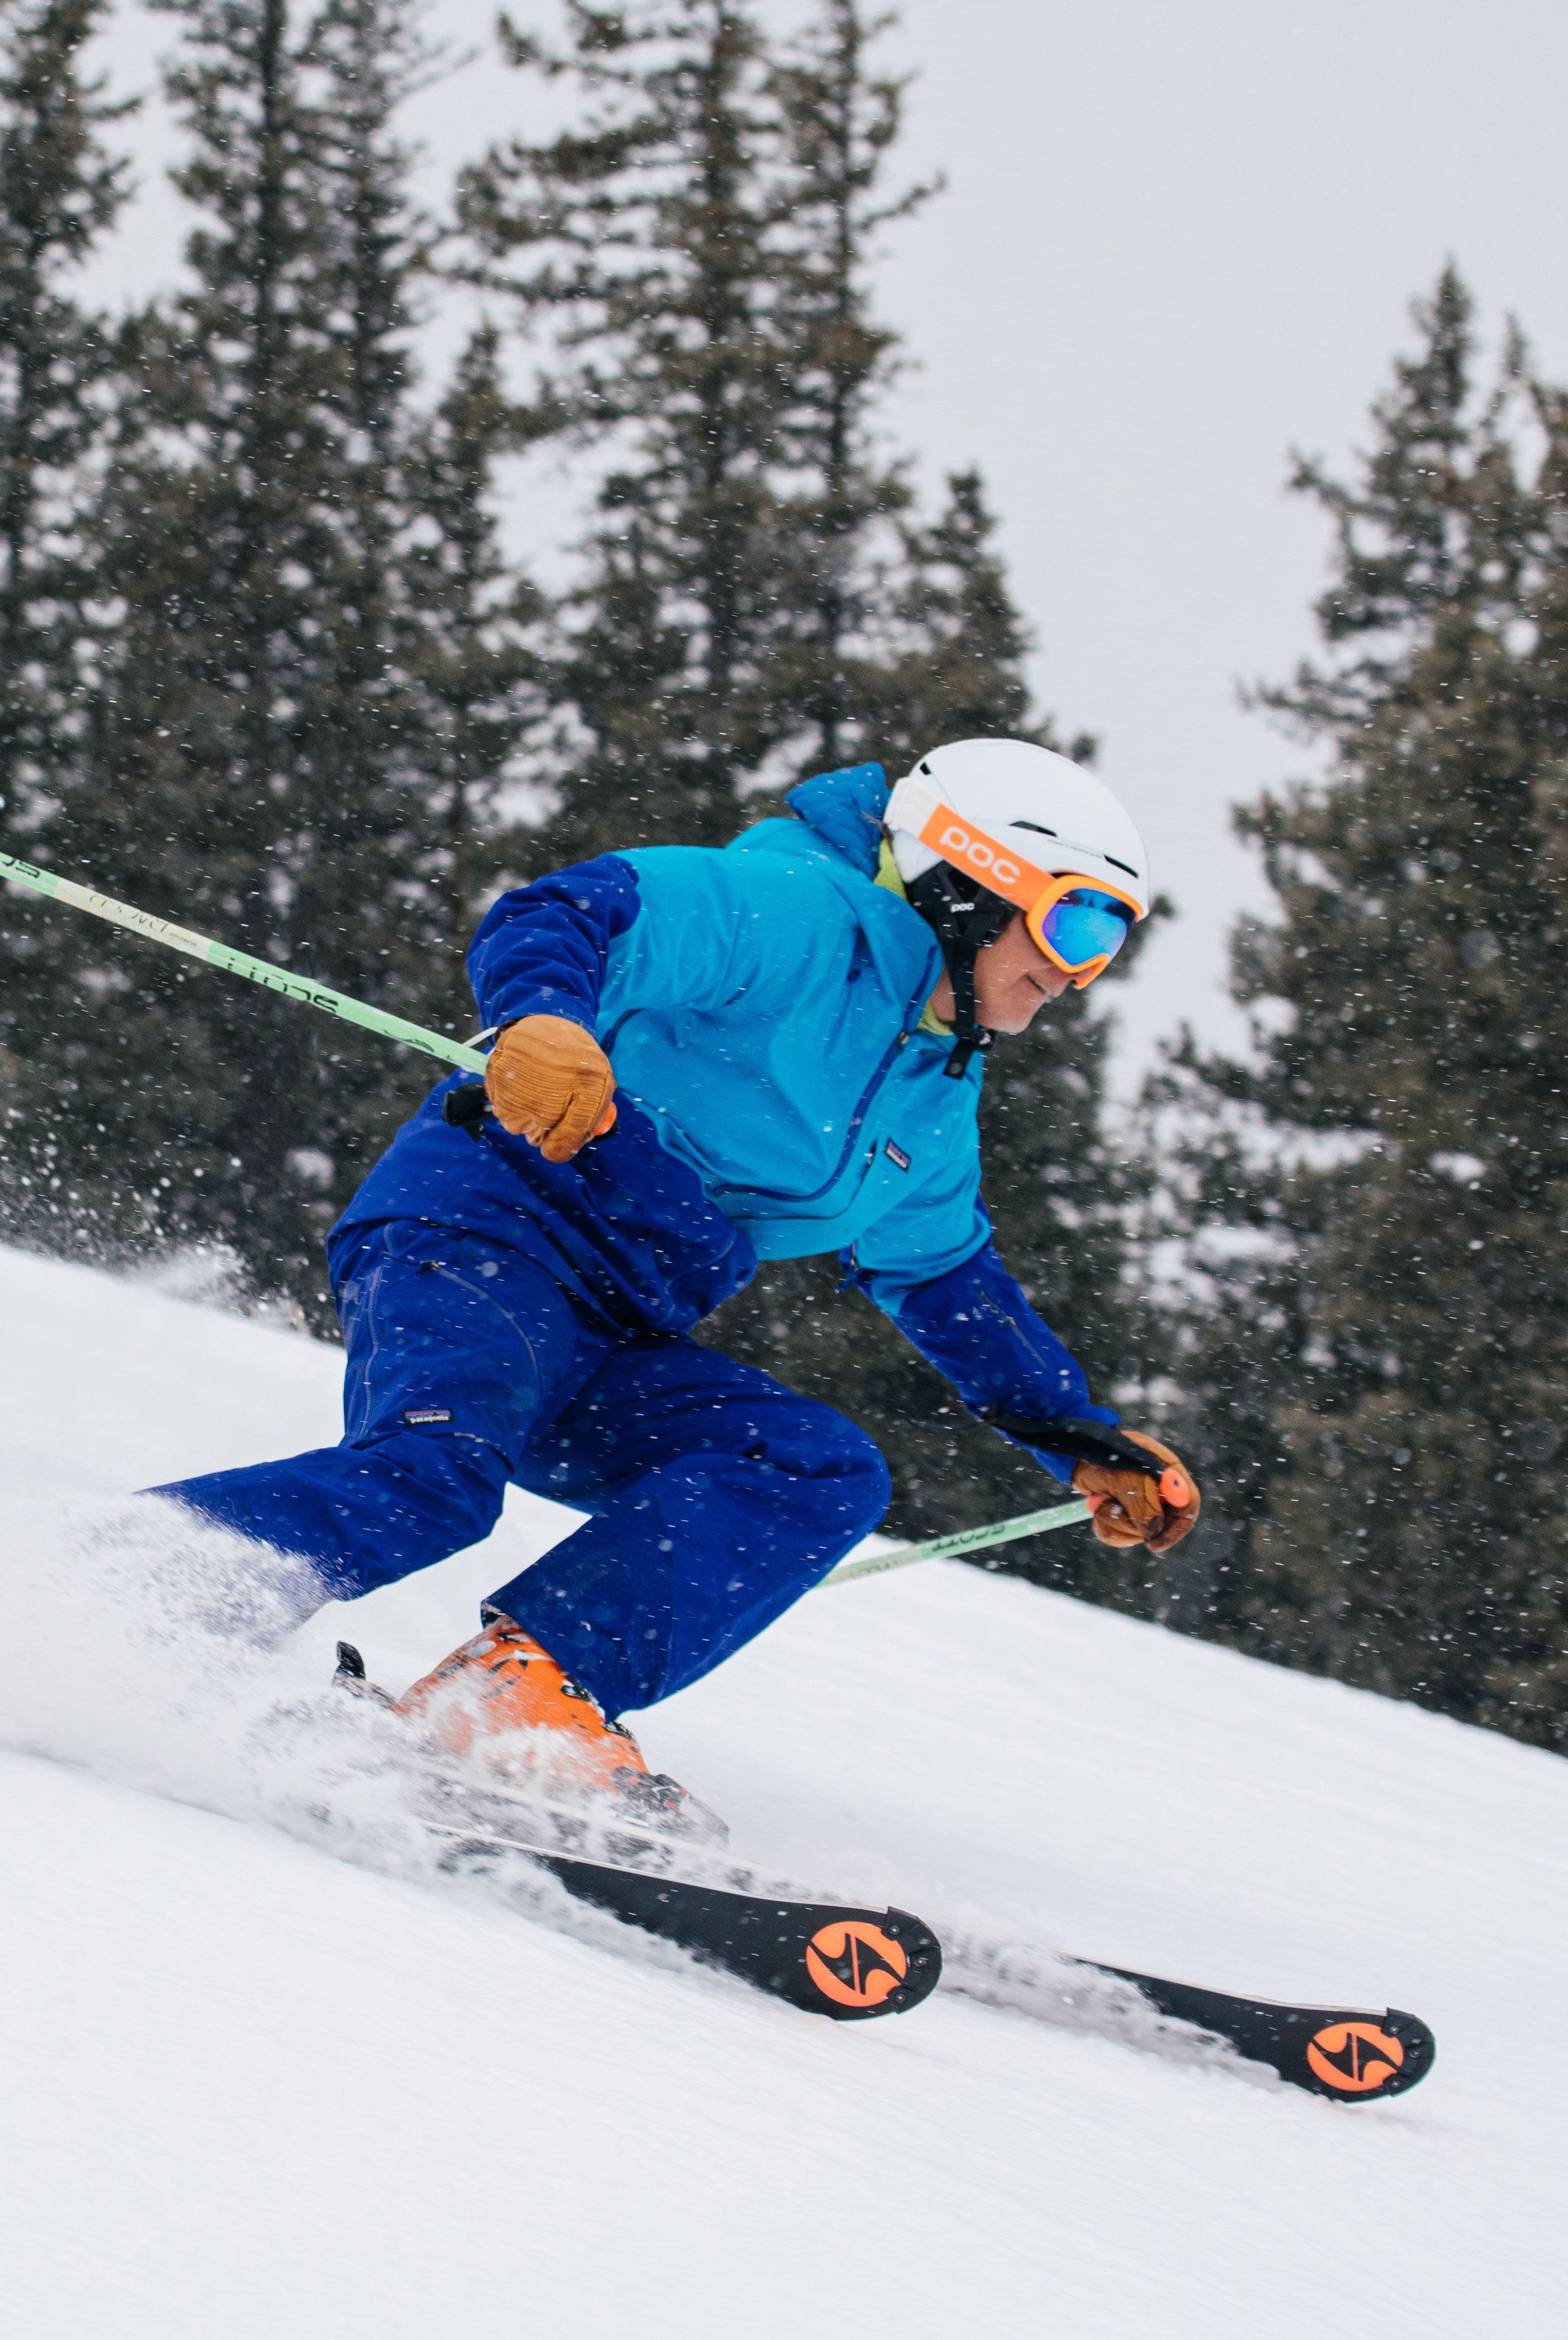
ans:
x=643 y=241
x=424 y=669
x=366 y=909
x=273 y=754
x=961 y=645
x=1220 y=1275
x=216 y=525
x=701 y=251
x=476 y=658
x=60 y=192
x=1417 y=1020
x=839 y=551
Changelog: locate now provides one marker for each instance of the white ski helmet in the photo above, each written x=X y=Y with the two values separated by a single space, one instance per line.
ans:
x=984 y=828
x=994 y=808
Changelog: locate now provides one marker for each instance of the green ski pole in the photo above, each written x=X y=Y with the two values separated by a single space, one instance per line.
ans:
x=948 y=1547
x=237 y=962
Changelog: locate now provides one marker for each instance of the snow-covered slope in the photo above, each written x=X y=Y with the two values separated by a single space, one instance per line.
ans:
x=262 y=2072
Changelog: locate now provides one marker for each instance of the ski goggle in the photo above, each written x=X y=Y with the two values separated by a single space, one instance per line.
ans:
x=1079 y=923
x=1080 y=927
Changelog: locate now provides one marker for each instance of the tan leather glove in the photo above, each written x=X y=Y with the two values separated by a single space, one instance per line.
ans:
x=1129 y=1508
x=550 y=1081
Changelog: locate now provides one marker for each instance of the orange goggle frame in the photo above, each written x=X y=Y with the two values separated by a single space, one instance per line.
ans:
x=1034 y=891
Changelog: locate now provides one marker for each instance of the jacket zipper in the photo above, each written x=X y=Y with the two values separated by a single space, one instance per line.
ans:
x=781 y=1194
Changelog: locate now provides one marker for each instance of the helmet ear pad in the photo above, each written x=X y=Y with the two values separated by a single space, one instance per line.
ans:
x=965 y=917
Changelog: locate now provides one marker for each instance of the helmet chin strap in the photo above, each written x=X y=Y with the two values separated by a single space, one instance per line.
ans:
x=963 y=917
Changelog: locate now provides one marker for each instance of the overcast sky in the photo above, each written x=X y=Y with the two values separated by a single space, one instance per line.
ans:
x=1175 y=241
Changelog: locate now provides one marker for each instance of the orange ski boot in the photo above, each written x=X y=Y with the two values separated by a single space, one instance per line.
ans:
x=501 y=1693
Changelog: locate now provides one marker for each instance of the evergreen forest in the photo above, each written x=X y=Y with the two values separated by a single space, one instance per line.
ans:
x=269 y=670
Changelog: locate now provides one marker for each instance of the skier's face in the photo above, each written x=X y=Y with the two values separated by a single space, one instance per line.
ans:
x=1014 y=979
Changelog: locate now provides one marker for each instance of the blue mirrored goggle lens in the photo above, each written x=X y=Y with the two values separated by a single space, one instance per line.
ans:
x=1086 y=925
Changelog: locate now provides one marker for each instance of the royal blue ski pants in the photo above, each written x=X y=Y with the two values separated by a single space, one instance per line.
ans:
x=717 y=1497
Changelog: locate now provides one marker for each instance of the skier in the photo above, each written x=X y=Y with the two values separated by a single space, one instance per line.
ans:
x=701 y=1058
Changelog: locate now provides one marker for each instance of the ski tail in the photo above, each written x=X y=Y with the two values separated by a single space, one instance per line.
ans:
x=1350 y=2055
x=1353 y=2055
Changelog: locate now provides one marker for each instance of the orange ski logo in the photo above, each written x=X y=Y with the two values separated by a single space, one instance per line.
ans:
x=1353 y=2056
x=855 y=1963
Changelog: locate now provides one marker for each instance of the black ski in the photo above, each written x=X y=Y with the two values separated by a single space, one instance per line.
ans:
x=850 y=1963
x=845 y=1963
x=1358 y=2055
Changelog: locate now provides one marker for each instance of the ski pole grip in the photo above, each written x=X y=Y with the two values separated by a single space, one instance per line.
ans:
x=465 y=1109
x=1175 y=1488
x=1083 y=1442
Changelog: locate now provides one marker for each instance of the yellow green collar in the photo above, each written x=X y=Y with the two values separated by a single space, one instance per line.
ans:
x=887 y=875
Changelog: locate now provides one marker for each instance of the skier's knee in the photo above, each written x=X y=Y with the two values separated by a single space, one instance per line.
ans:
x=456 y=1485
